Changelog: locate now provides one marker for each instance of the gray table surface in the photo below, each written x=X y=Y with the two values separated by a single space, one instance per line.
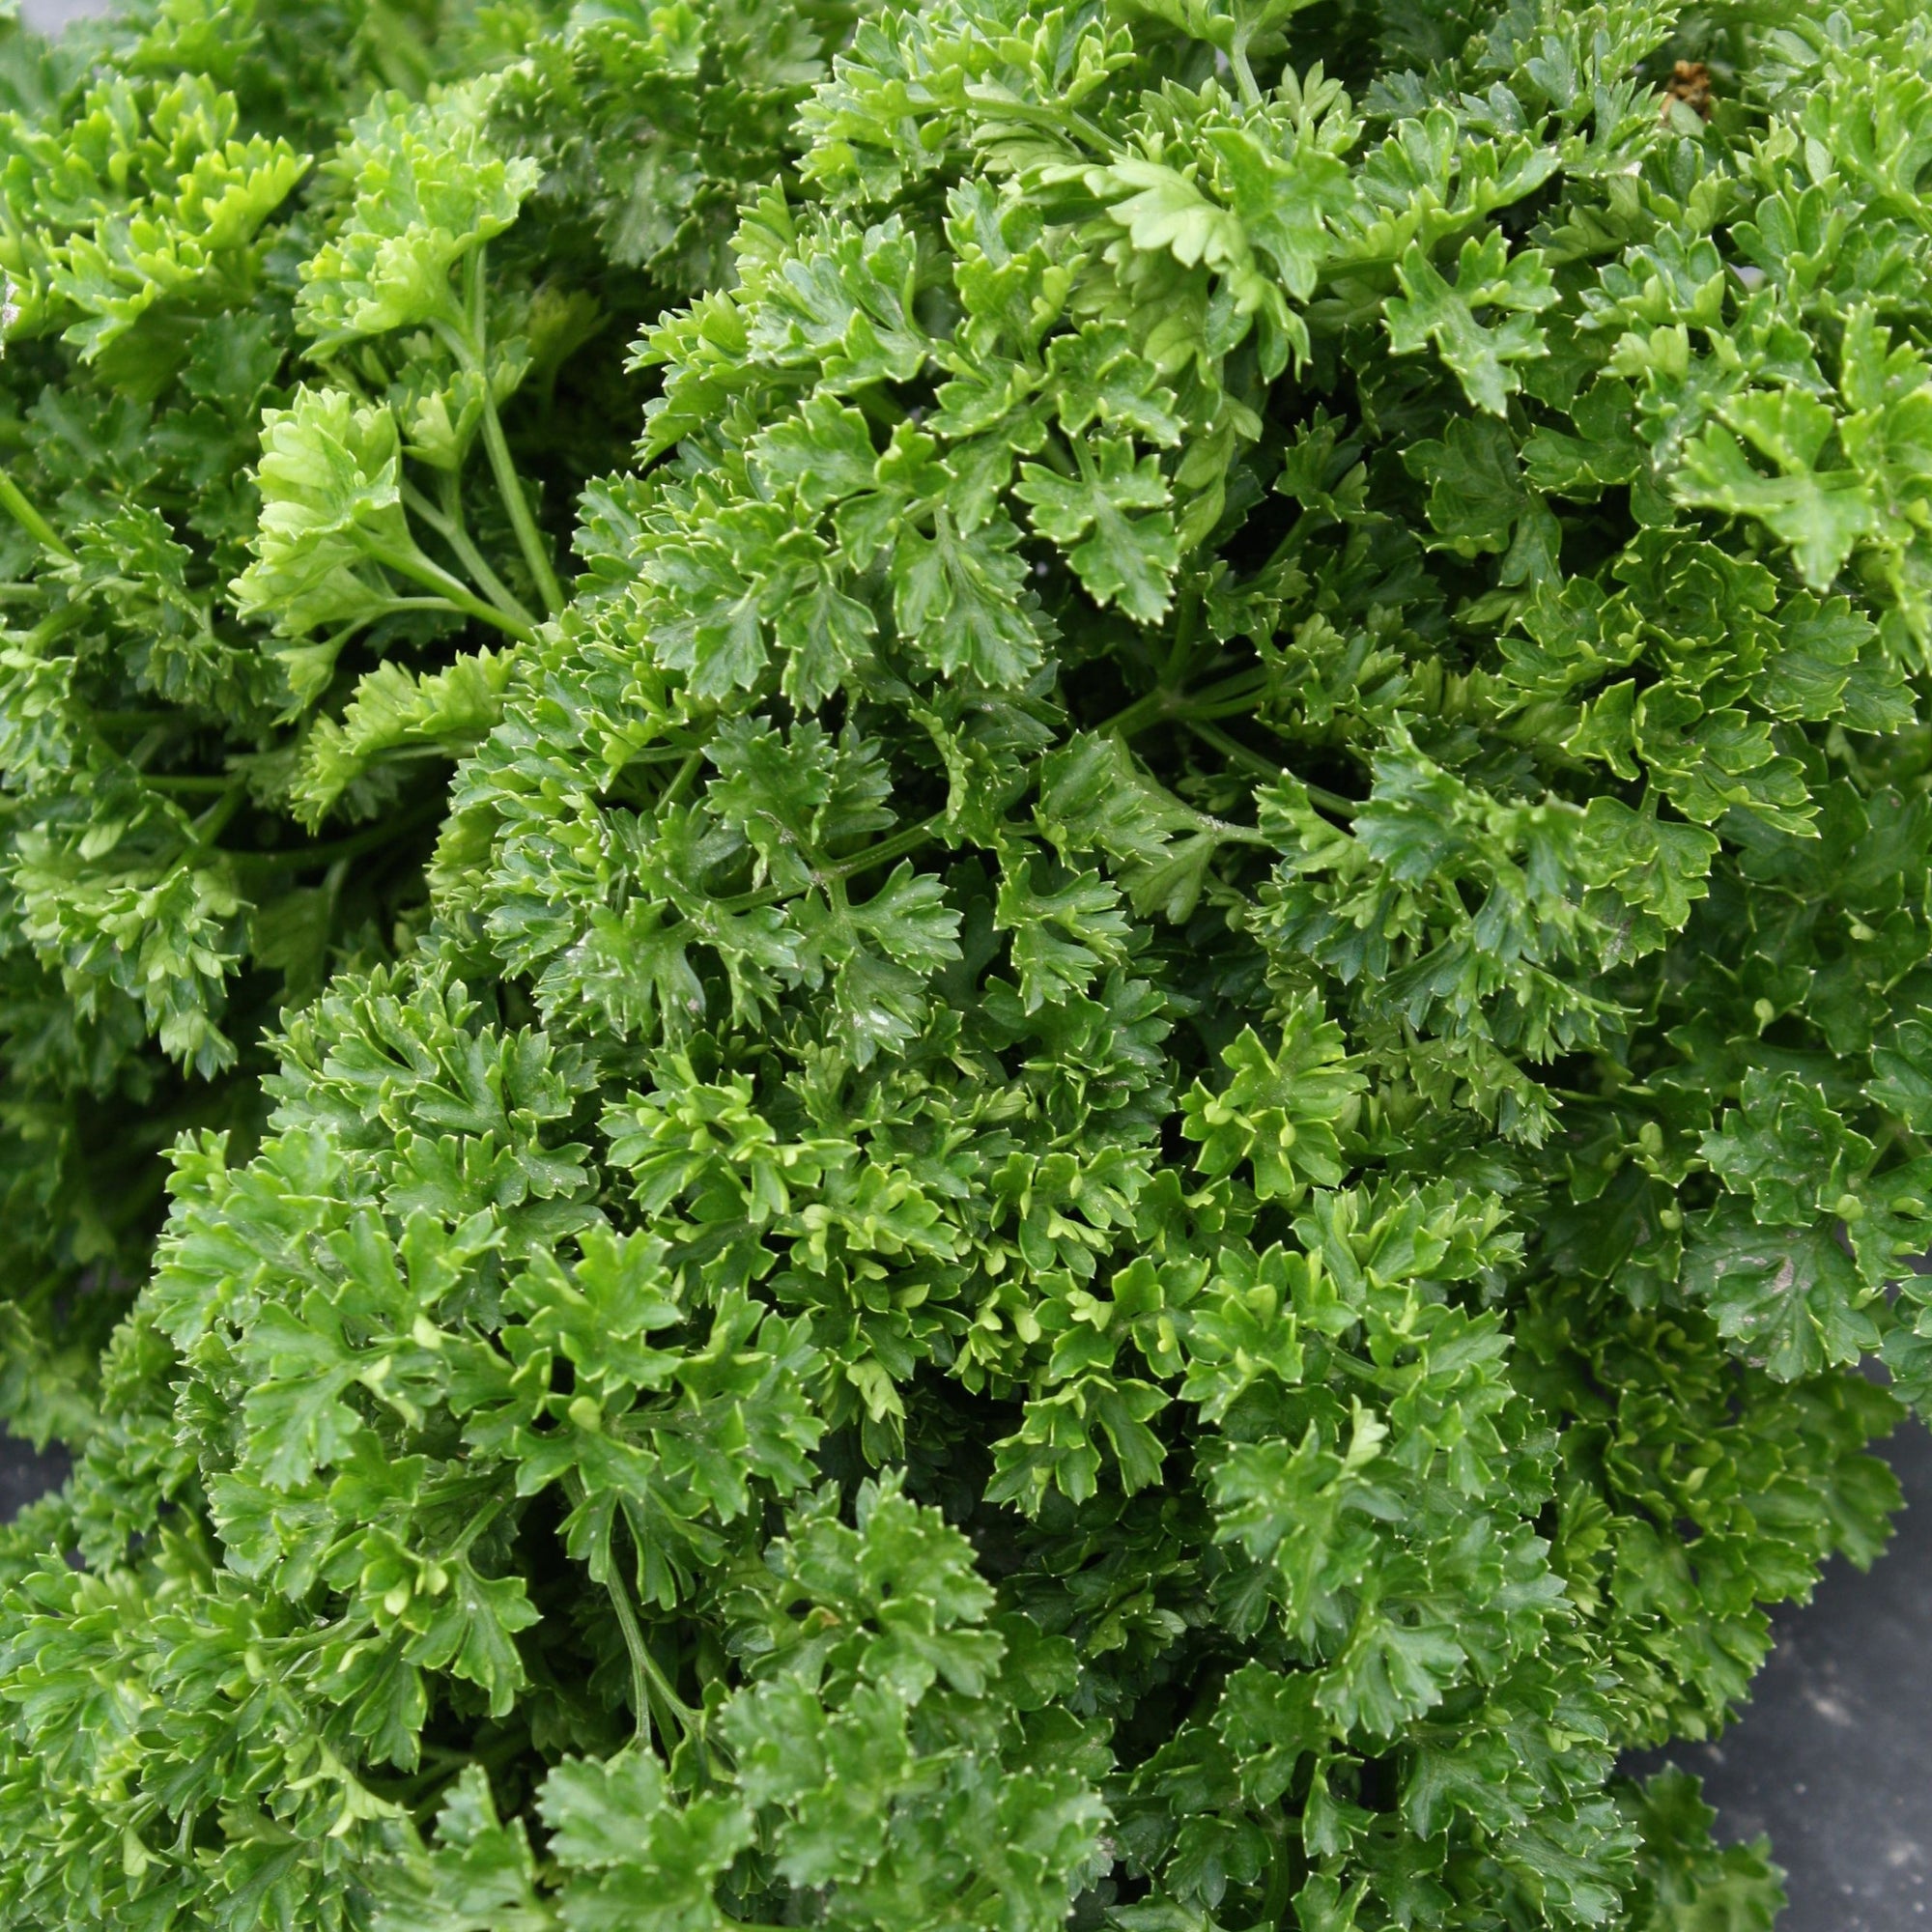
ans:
x=1832 y=1756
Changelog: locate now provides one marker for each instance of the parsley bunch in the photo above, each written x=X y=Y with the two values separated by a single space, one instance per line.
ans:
x=292 y=427
x=1173 y=1033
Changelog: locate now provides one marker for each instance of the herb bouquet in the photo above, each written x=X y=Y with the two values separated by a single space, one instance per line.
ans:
x=1119 y=1155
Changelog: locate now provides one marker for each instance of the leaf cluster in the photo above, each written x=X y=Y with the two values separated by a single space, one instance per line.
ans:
x=1171 y=1045
x=285 y=459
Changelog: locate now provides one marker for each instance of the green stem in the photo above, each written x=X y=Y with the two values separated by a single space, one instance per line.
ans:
x=476 y=299
x=888 y=849
x=1233 y=749
x=1254 y=761
x=1175 y=671
x=835 y=875
x=1305 y=525
x=1223 y=829
x=640 y=1658
x=682 y=778
x=305 y=857
x=1002 y=106
x=509 y=485
x=1234 y=698
x=1576 y=1093
x=185 y=784
x=50 y=630
x=474 y=560
x=1244 y=77
x=213 y=822
x=1163 y=705
x=649 y=1687
x=1232 y=707
x=388 y=606
x=469 y=342
x=444 y=1768
x=681 y=1714
x=476 y=1526
x=670 y=751
x=414 y=565
x=1282 y=1875
x=30 y=520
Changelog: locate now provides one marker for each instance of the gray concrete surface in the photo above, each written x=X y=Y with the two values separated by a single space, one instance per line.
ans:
x=1832 y=1757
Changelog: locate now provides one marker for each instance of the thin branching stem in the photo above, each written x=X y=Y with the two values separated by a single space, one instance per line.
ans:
x=447 y=522
x=431 y=575
x=14 y=501
x=1232 y=748
x=464 y=336
x=305 y=858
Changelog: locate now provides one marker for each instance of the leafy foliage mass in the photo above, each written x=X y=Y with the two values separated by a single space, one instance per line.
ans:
x=205 y=806
x=1172 y=1032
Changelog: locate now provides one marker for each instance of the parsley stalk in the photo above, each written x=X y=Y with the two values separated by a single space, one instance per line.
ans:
x=14 y=501
x=464 y=330
x=652 y=1694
